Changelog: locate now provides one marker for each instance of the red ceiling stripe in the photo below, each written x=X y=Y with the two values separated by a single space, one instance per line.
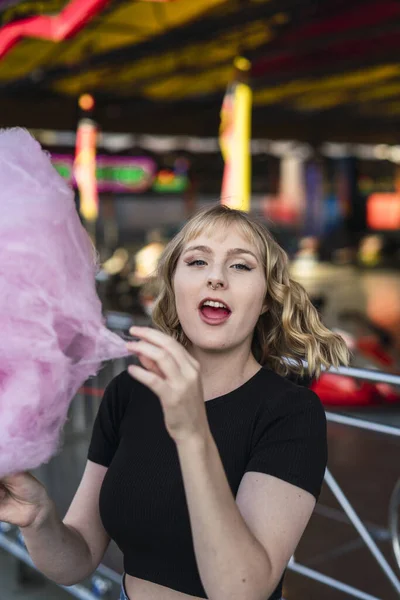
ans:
x=353 y=19
x=303 y=62
x=54 y=28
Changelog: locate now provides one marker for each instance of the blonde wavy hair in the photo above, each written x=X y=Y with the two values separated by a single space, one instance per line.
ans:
x=285 y=336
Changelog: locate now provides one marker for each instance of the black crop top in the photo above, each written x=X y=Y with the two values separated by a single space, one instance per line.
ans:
x=268 y=424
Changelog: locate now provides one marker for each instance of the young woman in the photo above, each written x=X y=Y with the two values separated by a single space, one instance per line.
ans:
x=205 y=462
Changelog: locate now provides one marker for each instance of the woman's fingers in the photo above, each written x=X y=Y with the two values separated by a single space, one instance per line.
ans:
x=150 y=365
x=164 y=361
x=148 y=378
x=165 y=341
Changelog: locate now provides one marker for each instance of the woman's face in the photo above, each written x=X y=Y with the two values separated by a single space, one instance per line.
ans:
x=234 y=267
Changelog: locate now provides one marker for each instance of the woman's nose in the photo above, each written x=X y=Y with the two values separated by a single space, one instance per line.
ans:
x=215 y=283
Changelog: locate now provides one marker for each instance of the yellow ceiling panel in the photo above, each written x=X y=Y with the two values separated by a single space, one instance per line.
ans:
x=87 y=82
x=94 y=80
x=27 y=56
x=202 y=55
x=363 y=77
x=320 y=101
x=181 y=11
x=383 y=91
x=270 y=95
x=354 y=80
x=172 y=87
x=28 y=8
x=156 y=18
x=152 y=66
x=94 y=42
x=132 y=23
x=180 y=87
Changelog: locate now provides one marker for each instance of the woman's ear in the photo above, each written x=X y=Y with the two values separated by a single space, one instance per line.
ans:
x=264 y=310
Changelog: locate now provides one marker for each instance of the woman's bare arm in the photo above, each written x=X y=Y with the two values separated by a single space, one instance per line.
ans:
x=69 y=550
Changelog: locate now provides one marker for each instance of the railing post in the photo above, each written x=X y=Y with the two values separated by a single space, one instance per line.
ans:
x=394 y=508
x=362 y=530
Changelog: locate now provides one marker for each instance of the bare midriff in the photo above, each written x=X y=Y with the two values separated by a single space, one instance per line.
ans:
x=139 y=589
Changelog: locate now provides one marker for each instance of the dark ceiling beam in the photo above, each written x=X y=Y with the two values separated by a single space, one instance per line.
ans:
x=162 y=118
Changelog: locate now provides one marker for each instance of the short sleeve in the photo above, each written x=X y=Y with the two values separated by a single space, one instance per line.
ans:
x=105 y=434
x=290 y=441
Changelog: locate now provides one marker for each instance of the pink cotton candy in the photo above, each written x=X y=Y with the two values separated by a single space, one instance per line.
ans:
x=52 y=333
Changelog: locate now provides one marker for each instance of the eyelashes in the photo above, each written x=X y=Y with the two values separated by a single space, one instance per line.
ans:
x=242 y=266
x=194 y=262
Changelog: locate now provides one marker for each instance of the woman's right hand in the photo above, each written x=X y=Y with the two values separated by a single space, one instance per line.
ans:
x=23 y=500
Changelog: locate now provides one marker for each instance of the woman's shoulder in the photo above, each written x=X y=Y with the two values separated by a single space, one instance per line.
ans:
x=289 y=437
x=282 y=396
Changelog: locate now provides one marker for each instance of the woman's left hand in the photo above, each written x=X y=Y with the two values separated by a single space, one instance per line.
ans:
x=174 y=376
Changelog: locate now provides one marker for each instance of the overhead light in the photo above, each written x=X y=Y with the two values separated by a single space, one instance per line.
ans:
x=86 y=102
x=395 y=154
x=382 y=151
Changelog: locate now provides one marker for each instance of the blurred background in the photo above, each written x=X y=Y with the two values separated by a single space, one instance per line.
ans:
x=287 y=109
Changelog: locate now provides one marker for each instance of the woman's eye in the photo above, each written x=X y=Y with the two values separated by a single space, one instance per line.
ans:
x=242 y=267
x=196 y=262
x=237 y=267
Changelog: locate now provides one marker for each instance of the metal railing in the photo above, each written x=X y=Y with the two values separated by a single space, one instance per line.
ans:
x=104 y=578
x=394 y=508
x=100 y=585
x=351 y=513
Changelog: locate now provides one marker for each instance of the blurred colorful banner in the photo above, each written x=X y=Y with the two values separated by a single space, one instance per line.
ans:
x=113 y=174
x=126 y=174
x=234 y=139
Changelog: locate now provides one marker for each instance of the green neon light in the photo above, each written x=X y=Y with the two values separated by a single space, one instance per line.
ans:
x=177 y=184
x=127 y=175
x=63 y=170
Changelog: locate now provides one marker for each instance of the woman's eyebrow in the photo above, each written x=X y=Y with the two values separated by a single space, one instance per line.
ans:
x=230 y=252
x=241 y=251
x=205 y=249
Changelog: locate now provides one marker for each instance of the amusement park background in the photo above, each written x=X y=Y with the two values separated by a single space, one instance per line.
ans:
x=288 y=109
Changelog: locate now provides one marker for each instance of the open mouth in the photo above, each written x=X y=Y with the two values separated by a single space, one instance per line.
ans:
x=213 y=310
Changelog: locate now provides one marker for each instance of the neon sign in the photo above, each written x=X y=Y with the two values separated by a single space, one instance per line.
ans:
x=113 y=174
x=168 y=181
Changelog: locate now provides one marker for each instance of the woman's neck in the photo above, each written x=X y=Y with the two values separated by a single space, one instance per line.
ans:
x=223 y=372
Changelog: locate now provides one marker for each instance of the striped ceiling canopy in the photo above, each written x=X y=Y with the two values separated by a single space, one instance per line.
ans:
x=321 y=69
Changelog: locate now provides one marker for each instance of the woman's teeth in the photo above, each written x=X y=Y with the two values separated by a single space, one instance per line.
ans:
x=214 y=304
